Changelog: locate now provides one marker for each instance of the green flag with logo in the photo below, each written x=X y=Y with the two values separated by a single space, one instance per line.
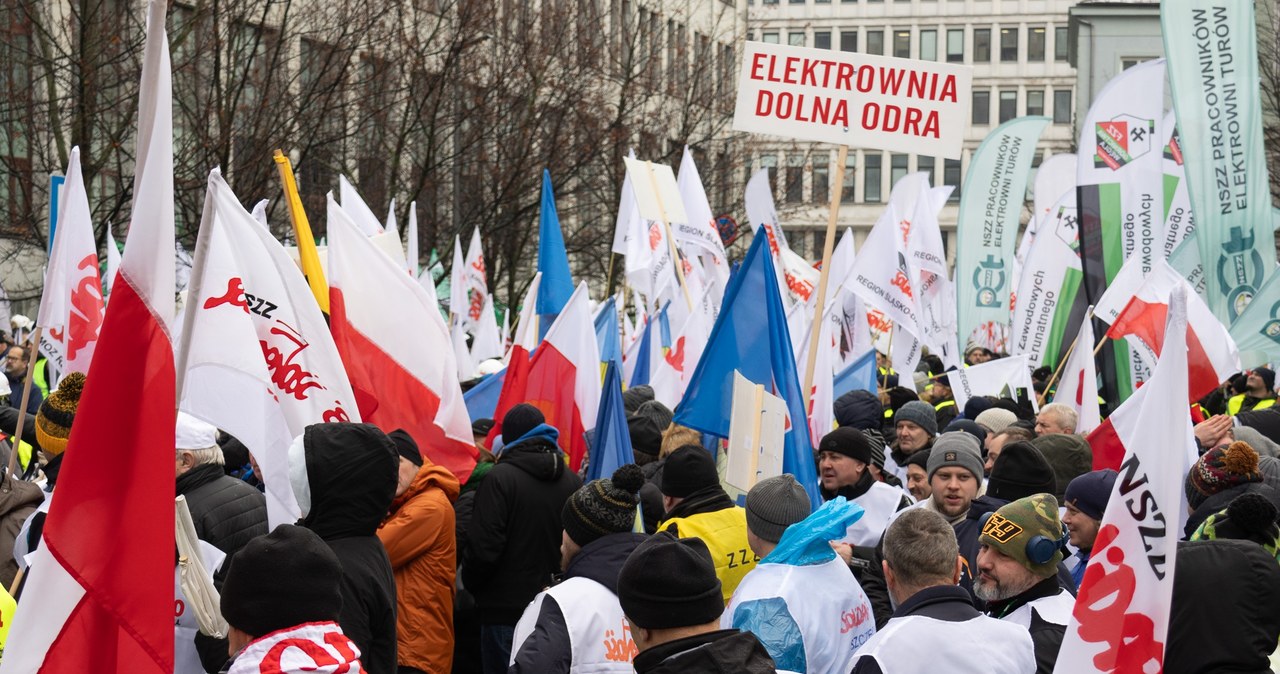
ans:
x=1257 y=330
x=990 y=211
x=1212 y=50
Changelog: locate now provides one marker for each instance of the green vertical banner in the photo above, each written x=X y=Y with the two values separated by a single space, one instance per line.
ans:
x=990 y=211
x=1120 y=199
x=1212 y=48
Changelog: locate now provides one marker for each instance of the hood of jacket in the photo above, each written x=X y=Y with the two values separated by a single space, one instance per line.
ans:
x=602 y=559
x=430 y=476
x=719 y=651
x=536 y=453
x=1223 y=617
x=352 y=471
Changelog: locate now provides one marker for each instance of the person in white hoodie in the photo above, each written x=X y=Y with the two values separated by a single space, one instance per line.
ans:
x=800 y=600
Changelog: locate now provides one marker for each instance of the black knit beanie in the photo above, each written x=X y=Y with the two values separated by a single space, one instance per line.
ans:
x=405 y=446
x=603 y=507
x=1020 y=471
x=848 y=441
x=520 y=420
x=670 y=582
x=688 y=469
x=278 y=580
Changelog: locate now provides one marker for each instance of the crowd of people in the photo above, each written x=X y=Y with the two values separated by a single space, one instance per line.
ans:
x=947 y=534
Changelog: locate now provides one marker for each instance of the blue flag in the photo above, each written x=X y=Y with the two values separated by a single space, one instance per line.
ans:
x=751 y=336
x=611 y=446
x=553 y=261
x=859 y=376
x=482 y=399
x=640 y=373
x=607 y=333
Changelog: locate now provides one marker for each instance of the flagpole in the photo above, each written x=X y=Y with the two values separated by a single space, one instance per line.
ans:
x=308 y=258
x=26 y=399
x=671 y=241
x=1088 y=316
x=892 y=329
x=828 y=245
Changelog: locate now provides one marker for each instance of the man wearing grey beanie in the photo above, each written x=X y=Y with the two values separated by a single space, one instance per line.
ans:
x=804 y=640
x=955 y=474
x=916 y=425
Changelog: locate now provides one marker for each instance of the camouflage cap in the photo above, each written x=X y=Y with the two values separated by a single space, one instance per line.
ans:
x=1010 y=528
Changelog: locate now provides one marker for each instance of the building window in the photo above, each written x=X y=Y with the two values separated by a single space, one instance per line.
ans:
x=1036 y=160
x=849 y=39
x=1008 y=105
x=981 y=107
x=875 y=42
x=898 y=164
x=848 y=2
x=1062 y=106
x=1035 y=45
x=981 y=45
x=847 y=195
x=770 y=162
x=925 y=164
x=955 y=45
x=902 y=44
x=1035 y=102
x=929 y=45
x=951 y=176
x=1009 y=44
x=769 y=37
x=818 y=2
x=822 y=39
x=1127 y=63
x=795 y=178
x=795 y=39
x=821 y=178
x=1061 y=45
x=797 y=2
x=871 y=178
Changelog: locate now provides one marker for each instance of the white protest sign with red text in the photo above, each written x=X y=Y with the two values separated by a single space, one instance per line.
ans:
x=846 y=98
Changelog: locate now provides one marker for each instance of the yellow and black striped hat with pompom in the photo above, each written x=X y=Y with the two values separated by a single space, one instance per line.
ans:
x=53 y=421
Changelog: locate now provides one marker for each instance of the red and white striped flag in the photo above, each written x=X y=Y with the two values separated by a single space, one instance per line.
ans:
x=99 y=594
x=72 y=305
x=1121 y=615
x=255 y=357
x=564 y=376
x=396 y=348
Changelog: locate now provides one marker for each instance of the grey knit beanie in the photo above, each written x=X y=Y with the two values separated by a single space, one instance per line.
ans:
x=956 y=448
x=919 y=413
x=774 y=504
x=996 y=419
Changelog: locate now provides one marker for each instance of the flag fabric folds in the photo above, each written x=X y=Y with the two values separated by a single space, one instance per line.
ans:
x=257 y=359
x=72 y=305
x=1122 y=610
x=553 y=261
x=991 y=378
x=302 y=235
x=611 y=442
x=93 y=603
x=396 y=348
x=1078 y=384
x=564 y=376
x=751 y=336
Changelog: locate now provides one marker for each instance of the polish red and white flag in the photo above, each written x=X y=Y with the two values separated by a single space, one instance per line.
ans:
x=564 y=376
x=99 y=592
x=396 y=348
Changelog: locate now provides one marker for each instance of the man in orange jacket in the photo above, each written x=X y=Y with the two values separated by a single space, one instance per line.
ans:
x=419 y=537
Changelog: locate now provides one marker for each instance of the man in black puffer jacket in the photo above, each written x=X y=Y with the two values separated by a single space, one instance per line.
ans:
x=345 y=477
x=513 y=540
x=227 y=512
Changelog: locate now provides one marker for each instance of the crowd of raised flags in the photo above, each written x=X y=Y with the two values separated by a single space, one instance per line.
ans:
x=270 y=339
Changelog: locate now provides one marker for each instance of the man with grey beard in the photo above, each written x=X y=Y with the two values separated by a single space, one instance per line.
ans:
x=1021 y=546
